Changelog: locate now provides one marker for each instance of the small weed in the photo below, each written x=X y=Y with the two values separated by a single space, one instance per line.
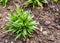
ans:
x=21 y=23
x=35 y=2
x=4 y=2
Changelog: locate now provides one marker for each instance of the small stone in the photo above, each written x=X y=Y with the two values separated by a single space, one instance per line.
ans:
x=44 y=32
x=56 y=14
x=27 y=41
x=20 y=42
x=47 y=22
x=58 y=27
x=12 y=42
x=52 y=6
x=56 y=20
x=51 y=27
x=51 y=38
x=6 y=41
x=53 y=24
x=57 y=9
x=32 y=41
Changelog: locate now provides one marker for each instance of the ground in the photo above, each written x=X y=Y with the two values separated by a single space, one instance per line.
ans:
x=48 y=18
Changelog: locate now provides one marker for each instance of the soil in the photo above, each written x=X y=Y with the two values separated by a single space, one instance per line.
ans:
x=48 y=18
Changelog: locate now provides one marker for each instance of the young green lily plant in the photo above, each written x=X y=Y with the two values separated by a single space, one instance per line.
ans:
x=35 y=2
x=21 y=23
x=4 y=2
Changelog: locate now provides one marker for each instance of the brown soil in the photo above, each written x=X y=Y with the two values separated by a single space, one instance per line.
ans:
x=48 y=28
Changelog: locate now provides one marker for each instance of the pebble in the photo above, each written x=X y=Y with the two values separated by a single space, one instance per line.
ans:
x=52 y=6
x=27 y=41
x=53 y=24
x=47 y=22
x=12 y=42
x=45 y=33
x=58 y=27
x=57 y=9
x=51 y=27
x=57 y=21
x=32 y=41
x=6 y=41
x=51 y=38
x=20 y=42
x=56 y=14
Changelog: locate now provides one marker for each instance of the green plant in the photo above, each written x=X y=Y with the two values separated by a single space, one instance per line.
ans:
x=4 y=2
x=35 y=2
x=21 y=23
x=55 y=1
